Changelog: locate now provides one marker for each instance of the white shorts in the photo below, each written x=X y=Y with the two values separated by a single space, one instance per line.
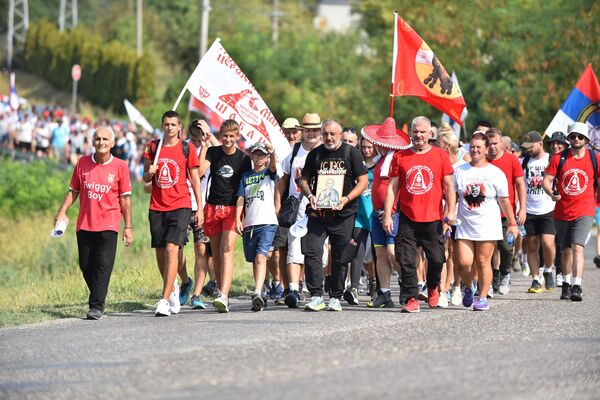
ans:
x=295 y=256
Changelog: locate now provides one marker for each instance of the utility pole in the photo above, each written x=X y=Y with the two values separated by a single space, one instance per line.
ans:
x=139 y=28
x=275 y=15
x=68 y=8
x=204 y=11
x=18 y=24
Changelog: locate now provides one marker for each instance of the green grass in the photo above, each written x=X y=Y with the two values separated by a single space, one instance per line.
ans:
x=40 y=277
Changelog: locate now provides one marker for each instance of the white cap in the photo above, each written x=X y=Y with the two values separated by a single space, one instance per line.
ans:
x=579 y=127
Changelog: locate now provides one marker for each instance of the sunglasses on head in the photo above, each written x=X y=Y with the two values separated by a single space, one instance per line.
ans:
x=578 y=136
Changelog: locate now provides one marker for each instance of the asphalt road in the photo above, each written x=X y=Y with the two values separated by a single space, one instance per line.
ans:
x=527 y=346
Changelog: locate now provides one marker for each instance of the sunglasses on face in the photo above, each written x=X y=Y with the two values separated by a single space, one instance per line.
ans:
x=576 y=136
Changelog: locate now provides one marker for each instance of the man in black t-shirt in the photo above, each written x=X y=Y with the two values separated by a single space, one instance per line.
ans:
x=334 y=165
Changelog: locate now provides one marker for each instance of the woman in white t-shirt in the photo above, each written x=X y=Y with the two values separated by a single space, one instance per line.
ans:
x=481 y=188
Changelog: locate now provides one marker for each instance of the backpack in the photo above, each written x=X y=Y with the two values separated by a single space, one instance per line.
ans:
x=184 y=145
x=563 y=159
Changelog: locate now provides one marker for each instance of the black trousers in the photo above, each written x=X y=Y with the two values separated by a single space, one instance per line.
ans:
x=506 y=250
x=431 y=237
x=340 y=232
x=96 y=259
x=361 y=236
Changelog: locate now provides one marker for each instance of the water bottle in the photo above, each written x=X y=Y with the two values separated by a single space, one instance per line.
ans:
x=522 y=231
x=510 y=239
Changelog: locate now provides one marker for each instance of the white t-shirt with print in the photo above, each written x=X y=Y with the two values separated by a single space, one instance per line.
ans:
x=538 y=202
x=295 y=174
x=477 y=190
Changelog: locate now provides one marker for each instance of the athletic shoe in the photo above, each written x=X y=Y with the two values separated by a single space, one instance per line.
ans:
x=258 y=303
x=468 y=297
x=292 y=299
x=412 y=306
x=351 y=296
x=433 y=297
x=276 y=290
x=536 y=287
x=559 y=280
x=210 y=289
x=481 y=304
x=184 y=292
x=422 y=292
x=94 y=314
x=382 y=300
x=196 y=303
x=516 y=264
x=316 y=303
x=281 y=301
x=174 y=300
x=443 y=302
x=221 y=304
x=372 y=287
x=504 y=286
x=163 y=309
x=597 y=261
x=549 y=280
x=490 y=294
x=576 y=294
x=525 y=270
x=334 y=305
x=456 y=297
x=495 y=288
x=566 y=291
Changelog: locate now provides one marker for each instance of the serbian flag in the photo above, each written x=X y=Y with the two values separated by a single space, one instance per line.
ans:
x=582 y=104
x=416 y=71
x=213 y=120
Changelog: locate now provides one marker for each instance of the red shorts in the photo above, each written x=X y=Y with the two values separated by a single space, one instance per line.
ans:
x=218 y=219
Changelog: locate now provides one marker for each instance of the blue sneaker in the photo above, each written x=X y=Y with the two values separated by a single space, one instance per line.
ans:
x=468 y=297
x=184 y=291
x=276 y=290
x=196 y=303
x=481 y=304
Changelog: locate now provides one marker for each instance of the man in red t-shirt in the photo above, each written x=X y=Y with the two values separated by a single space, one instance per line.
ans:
x=423 y=175
x=509 y=164
x=170 y=204
x=102 y=184
x=575 y=205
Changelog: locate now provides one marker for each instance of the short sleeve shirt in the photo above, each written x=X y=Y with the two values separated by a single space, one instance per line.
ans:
x=538 y=202
x=258 y=191
x=225 y=173
x=99 y=187
x=509 y=164
x=421 y=182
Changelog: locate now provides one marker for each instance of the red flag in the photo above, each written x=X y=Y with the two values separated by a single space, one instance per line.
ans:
x=416 y=71
x=213 y=120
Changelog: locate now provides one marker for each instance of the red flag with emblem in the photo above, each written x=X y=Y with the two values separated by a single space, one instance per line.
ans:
x=416 y=71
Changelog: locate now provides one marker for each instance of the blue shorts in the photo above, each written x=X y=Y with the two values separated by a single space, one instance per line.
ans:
x=378 y=235
x=258 y=239
x=598 y=216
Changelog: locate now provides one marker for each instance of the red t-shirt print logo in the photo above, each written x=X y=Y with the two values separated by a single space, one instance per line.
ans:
x=419 y=179
x=574 y=182
x=168 y=174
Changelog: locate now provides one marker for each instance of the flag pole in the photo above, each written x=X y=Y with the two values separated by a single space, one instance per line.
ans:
x=394 y=57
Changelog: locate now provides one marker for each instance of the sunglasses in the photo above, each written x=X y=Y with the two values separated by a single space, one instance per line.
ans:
x=576 y=136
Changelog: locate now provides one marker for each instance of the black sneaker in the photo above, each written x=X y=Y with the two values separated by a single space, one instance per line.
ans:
x=576 y=294
x=258 y=302
x=566 y=291
x=383 y=300
x=496 y=285
x=597 y=261
x=292 y=299
x=96 y=314
x=281 y=301
x=351 y=296
x=549 y=280
x=210 y=289
x=372 y=287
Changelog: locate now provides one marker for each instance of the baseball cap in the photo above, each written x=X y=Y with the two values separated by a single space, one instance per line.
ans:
x=530 y=138
x=258 y=147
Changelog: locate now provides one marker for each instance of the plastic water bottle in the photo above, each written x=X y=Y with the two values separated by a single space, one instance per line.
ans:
x=510 y=239
x=522 y=231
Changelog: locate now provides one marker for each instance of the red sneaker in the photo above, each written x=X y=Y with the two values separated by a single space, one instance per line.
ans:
x=433 y=297
x=412 y=306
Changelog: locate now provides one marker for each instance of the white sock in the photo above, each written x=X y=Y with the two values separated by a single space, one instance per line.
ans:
x=258 y=291
x=384 y=290
x=567 y=278
x=577 y=281
x=549 y=269
x=294 y=286
x=536 y=277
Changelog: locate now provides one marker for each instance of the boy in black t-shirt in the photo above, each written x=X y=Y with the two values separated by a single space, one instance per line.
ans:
x=334 y=165
x=227 y=164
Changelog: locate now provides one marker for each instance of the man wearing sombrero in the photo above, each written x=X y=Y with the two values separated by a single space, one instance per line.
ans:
x=419 y=177
x=387 y=139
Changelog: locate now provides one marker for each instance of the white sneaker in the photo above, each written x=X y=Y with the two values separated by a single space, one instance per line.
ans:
x=490 y=294
x=174 y=299
x=443 y=301
x=221 y=304
x=526 y=270
x=163 y=309
x=559 y=280
x=504 y=287
x=456 y=297
x=334 y=305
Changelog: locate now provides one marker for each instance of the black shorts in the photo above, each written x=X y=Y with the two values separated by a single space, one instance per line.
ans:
x=169 y=226
x=540 y=224
x=281 y=238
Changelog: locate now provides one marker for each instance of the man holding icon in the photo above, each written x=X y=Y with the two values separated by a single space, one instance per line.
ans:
x=103 y=186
